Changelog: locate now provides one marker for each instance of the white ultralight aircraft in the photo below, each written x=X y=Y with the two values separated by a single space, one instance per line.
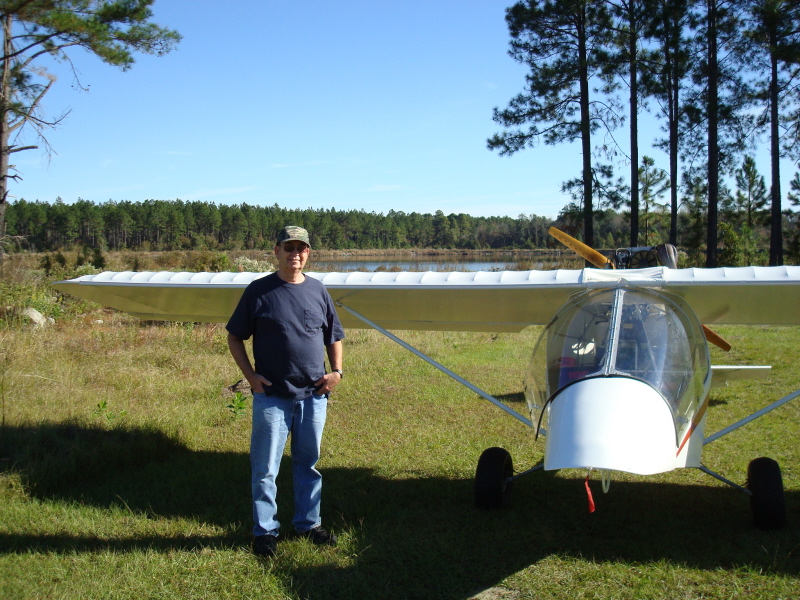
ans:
x=618 y=381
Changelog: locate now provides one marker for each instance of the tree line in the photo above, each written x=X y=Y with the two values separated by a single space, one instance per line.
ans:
x=719 y=75
x=193 y=225
x=178 y=225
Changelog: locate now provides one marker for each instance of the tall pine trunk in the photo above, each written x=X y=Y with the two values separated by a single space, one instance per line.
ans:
x=776 y=230
x=586 y=135
x=713 y=143
x=5 y=133
x=674 y=97
x=634 y=130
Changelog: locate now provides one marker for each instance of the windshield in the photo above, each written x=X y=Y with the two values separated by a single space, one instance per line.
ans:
x=627 y=332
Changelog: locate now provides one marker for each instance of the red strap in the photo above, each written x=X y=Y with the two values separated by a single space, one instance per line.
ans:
x=589 y=494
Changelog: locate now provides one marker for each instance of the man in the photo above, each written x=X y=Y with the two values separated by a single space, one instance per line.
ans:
x=294 y=324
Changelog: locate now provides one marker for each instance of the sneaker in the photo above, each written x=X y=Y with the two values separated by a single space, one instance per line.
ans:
x=319 y=537
x=264 y=545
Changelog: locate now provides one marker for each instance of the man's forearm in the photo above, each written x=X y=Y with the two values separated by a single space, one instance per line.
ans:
x=335 y=355
x=239 y=353
x=240 y=357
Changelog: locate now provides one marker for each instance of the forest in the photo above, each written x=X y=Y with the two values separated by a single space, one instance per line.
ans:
x=179 y=225
x=155 y=225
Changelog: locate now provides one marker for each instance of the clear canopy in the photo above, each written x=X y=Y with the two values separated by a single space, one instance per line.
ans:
x=623 y=332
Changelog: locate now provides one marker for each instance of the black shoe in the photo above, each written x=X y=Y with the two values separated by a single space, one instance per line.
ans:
x=264 y=545
x=319 y=537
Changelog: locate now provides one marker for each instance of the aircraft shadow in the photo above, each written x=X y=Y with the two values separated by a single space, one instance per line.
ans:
x=396 y=529
x=516 y=398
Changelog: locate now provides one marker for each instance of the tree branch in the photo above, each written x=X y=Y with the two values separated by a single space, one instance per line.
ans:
x=12 y=149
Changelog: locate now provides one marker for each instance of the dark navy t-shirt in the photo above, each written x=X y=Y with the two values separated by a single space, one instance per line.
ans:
x=291 y=323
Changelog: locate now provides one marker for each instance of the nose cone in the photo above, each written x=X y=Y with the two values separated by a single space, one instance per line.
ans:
x=614 y=423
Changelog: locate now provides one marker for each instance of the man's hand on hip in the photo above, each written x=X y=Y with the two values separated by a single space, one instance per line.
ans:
x=327 y=382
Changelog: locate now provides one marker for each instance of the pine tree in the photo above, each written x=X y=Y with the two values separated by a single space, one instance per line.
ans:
x=112 y=30
x=775 y=34
x=627 y=62
x=558 y=40
x=751 y=193
x=667 y=82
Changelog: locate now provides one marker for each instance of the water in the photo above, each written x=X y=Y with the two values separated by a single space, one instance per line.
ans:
x=434 y=263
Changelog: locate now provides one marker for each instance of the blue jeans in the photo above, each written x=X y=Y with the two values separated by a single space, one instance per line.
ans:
x=274 y=419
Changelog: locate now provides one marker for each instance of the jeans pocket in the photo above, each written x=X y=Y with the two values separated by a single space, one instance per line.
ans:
x=319 y=408
x=268 y=409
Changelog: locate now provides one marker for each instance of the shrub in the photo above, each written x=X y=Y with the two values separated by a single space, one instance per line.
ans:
x=251 y=265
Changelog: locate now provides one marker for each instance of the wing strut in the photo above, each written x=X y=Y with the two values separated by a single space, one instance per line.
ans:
x=753 y=417
x=439 y=366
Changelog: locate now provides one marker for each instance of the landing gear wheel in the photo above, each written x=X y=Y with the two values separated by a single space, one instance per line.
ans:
x=766 y=485
x=492 y=488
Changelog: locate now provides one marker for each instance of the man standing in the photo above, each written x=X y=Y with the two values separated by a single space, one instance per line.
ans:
x=294 y=324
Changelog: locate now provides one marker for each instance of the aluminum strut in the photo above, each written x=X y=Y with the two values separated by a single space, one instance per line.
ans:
x=439 y=366
x=538 y=467
x=753 y=417
x=708 y=471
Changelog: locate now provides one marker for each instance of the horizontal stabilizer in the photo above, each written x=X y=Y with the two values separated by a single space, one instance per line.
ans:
x=722 y=374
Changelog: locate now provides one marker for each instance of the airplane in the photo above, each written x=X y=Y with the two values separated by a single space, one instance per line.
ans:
x=618 y=381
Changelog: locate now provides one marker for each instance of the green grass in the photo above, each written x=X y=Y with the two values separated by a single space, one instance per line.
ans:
x=148 y=497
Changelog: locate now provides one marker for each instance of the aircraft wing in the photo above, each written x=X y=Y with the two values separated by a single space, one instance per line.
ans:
x=455 y=301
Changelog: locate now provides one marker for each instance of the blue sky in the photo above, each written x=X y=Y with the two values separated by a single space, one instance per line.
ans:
x=353 y=104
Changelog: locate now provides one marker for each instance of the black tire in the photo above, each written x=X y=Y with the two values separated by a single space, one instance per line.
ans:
x=492 y=487
x=766 y=486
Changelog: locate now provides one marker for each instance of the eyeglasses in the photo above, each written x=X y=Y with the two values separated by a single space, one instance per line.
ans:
x=289 y=248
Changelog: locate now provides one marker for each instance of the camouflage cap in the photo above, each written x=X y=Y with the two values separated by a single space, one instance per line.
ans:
x=293 y=233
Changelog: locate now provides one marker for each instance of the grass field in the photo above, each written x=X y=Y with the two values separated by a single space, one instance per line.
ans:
x=125 y=475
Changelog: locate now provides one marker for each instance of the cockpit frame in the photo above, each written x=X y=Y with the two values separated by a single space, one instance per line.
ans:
x=630 y=332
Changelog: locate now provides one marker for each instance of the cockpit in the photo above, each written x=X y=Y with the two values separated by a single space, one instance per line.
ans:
x=622 y=332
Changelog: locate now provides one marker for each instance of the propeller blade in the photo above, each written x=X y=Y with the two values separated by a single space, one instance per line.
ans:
x=716 y=339
x=585 y=252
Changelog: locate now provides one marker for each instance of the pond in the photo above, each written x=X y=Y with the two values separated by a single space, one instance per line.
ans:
x=450 y=262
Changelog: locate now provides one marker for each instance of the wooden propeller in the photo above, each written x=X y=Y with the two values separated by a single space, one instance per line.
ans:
x=716 y=339
x=585 y=252
x=602 y=262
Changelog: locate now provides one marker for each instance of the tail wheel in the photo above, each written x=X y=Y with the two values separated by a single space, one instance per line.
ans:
x=766 y=486
x=492 y=485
